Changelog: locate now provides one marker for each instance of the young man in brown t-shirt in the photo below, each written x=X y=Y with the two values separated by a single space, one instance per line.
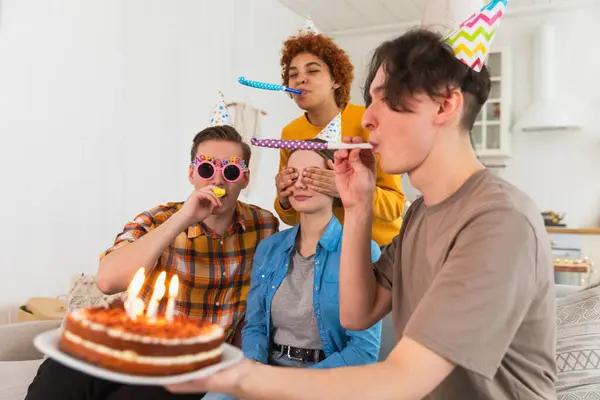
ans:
x=469 y=279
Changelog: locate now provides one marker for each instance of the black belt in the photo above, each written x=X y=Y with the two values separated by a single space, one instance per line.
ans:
x=300 y=354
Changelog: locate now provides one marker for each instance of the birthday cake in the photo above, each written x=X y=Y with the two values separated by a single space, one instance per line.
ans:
x=157 y=346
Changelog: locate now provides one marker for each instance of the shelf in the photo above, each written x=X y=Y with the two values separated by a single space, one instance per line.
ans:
x=576 y=231
x=582 y=269
x=496 y=78
x=572 y=265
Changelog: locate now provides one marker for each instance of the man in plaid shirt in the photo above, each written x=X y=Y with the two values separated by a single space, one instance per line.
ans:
x=208 y=242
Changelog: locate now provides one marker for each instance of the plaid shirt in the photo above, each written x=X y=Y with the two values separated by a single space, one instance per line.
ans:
x=214 y=270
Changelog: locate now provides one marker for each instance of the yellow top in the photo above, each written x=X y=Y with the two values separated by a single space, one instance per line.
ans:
x=388 y=202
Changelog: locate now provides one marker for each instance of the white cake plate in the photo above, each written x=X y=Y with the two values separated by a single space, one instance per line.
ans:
x=47 y=343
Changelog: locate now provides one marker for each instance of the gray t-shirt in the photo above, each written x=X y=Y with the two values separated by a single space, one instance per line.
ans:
x=292 y=311
x=472 y=280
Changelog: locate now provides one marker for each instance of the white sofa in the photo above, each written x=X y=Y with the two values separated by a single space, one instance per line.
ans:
x=19 y=360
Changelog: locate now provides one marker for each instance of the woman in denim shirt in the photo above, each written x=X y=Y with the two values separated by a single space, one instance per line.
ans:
x=292 y=314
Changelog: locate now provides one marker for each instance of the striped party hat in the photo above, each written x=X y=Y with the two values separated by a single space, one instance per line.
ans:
x=471 y=42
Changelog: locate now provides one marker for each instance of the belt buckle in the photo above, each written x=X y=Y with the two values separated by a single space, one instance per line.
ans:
x=291 y=356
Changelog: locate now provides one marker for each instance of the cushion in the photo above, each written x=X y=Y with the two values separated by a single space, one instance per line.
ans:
x=84 y=293
x=578 y=345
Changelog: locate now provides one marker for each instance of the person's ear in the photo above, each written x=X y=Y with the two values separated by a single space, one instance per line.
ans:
x=191 y=174
x=449 y=107
x=246 y=179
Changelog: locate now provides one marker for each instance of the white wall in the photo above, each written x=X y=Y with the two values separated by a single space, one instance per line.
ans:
x=558 y=170
x=99 y=103
x=257 y=45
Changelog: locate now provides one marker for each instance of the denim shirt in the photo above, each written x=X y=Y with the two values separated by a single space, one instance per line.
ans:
x=342 y=347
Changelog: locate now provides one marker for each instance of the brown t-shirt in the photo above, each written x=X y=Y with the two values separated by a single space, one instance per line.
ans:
x=472 y=280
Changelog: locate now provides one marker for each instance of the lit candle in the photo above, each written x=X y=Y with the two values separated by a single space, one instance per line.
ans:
x=138 y=307
x=132 y=291
x=173 y=289
x=157 y=295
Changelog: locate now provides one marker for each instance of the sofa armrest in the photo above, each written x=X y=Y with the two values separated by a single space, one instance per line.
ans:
x=15 y=378
x=565 y=290
x=16 y=340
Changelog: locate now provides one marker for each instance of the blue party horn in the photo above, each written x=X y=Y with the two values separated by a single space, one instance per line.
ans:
x=266 y=86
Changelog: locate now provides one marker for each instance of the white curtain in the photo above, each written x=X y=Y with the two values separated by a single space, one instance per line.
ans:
x=246 y=119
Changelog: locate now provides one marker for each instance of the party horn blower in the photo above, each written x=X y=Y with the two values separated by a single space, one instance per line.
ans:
x=306 y=145
x=266 y=86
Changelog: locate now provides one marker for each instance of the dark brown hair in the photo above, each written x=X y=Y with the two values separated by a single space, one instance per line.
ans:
x=325 y=155
x=420 y=62
x=225 y=133
x=340 y=67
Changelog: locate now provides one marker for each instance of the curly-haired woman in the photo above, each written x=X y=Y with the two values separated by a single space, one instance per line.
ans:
x=313 y=63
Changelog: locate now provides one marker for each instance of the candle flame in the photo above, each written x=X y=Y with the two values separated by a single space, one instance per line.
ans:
x=159 y=286
x=138 y=307
x=174 y=286
x=136 y=283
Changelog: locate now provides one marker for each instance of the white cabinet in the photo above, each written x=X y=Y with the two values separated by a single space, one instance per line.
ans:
x=490 y=135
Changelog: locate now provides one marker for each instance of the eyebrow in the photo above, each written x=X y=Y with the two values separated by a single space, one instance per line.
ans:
x=310 y=64
x=377 y=90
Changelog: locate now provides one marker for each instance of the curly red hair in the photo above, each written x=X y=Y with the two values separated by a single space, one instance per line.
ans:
x=323 y=47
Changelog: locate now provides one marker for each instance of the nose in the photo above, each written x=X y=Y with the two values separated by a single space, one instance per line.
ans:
x=218 y=179
x=299 y=79
x=300 y=184
x=368 y=121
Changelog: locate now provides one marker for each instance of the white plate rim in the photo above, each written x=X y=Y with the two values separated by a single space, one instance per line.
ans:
x=47 y=343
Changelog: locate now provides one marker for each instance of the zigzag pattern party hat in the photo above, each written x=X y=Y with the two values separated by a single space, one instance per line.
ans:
x=220 y=114
x=471 y=42
x=332 y=133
